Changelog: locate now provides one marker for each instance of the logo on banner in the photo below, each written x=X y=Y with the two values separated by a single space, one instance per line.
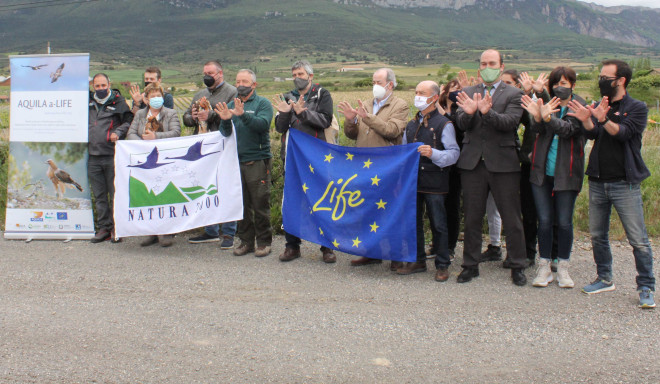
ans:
x=37 y=216
x=62 y=216
x=78 y=227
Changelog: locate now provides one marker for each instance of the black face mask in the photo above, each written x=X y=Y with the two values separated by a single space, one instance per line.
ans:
x=453 y=96
x=101 y=93
x=209 y=81
x=562 y=93
x=606 y=88
x=300 y=83
x=243 y=90
x=146 y=83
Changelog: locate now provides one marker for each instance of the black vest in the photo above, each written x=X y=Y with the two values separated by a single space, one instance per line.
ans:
x=431 y=178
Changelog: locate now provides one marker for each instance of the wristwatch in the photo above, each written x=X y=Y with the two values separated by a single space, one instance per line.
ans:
x=604 y=122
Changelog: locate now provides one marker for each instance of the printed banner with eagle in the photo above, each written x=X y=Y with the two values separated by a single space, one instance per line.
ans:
x=172 y=185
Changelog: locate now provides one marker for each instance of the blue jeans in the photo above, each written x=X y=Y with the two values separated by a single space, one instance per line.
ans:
x=435 y=208
x=228 y=229
x=554 y=207
x=627 y=200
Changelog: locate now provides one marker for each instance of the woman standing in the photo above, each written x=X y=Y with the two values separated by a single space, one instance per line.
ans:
x=155 y=122
x=557 y=172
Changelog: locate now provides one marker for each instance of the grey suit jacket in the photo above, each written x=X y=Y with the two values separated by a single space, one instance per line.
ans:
x=491 y=136
x=168 y=117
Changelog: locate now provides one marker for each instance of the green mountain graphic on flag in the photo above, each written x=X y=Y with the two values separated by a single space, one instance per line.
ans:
x=141 y=196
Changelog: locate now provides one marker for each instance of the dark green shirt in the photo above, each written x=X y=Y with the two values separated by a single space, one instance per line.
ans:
x=252 y=128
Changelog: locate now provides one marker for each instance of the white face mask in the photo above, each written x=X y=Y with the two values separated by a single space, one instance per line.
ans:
x=379 y=92
x=420 y=102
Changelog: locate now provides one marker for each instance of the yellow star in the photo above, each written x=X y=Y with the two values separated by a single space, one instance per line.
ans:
x=356 y=242
x=374 y=227
x=305 y=187
x=381 y=204
x=335 y=243
x=375 y=180
x=321 y=231
x=328 y=157
x=349 y=156
x=310 y=168
x=367 y=163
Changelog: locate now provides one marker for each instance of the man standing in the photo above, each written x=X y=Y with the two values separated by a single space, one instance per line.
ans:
x=216 y=91
x=438 y=152
x=489 y=114
x=109 y=119
x=308 y=108
x=377 y=124
x=152 y=75
x=251 y=116
x=615 y=171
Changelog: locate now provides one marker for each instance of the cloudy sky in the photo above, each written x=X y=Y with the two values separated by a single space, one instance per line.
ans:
x=644 y=3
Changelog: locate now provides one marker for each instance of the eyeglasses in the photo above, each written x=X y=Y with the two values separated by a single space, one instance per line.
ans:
x=607 y=78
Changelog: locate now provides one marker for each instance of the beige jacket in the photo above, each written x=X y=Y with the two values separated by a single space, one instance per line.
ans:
x=382 y=129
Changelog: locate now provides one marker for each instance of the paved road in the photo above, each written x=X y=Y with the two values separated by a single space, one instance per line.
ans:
x=116 y=313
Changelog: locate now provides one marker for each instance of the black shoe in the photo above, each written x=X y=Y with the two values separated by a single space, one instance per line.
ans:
x=203 y=238
x=467 y=274
x=518 y=276
x=492 y=253
x=101 y=236
x=507 y=264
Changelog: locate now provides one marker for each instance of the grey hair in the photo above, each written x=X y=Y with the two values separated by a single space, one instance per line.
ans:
x=435 y=88
x=304 y=64
x=390 y=76
x=251 y=72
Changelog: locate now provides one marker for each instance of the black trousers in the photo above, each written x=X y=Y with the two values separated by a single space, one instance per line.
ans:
x=476 y=184
x=528 y=209
x=101 y=173
x=453 y=207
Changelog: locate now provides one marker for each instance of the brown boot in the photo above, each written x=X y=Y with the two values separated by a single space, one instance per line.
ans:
x=442 y=275
x=395 y=265
x=166 y=240
x=411 y=268
x=329 y=256
x=243 y=249
x=290 y=254
x=149 y=240
x=362 y=261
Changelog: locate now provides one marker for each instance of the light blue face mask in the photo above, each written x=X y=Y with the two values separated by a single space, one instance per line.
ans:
x=156 y=102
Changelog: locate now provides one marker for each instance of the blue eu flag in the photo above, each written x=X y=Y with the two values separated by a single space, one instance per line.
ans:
x=360 y=201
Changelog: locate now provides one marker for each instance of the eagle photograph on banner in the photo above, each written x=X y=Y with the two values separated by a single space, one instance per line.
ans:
x=360 y=201
x=172 y=185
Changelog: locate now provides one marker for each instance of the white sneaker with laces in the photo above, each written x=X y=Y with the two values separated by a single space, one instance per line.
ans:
x=563 y=277
x=543 y=274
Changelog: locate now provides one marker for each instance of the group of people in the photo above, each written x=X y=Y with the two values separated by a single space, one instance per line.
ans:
x=470 y=148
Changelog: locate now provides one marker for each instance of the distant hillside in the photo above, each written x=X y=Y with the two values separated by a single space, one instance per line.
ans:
x=396 y=31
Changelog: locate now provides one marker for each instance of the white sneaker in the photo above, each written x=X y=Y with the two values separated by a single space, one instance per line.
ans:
x=543 y=274
x=563 y=278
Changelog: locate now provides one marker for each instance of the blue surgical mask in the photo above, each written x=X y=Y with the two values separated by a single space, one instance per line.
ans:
x=156 y=102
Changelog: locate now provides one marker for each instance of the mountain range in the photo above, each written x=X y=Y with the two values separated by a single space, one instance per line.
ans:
x=395 y=31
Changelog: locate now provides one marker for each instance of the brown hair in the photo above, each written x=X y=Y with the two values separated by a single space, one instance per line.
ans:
x=155 y=70
x=153 y=87
x=444 y=95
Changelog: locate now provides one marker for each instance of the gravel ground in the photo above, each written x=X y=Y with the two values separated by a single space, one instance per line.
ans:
x=119 y=313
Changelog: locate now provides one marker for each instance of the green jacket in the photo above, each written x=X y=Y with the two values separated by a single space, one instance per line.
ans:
x=252 y=129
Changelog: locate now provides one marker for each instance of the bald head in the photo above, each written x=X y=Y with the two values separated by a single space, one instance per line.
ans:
x=427 y=88
x=492 y=55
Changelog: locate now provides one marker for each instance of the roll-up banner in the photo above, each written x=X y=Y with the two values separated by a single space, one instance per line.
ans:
x=48 y=194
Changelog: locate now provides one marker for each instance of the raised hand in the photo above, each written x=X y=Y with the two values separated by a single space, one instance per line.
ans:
x=527 y=82
x=439 y=107
x=600 y=112
x=468 y=105
x=345 y=109
x=580 y=112
x=136 y=95
x=463 y=79
x=280 y=104
x=533 y=107
x=361 y=110
x=239 y=107
x=223 y=111
x=549 y=108
x=540 y=83
x=485 y=103
x=299 y=106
